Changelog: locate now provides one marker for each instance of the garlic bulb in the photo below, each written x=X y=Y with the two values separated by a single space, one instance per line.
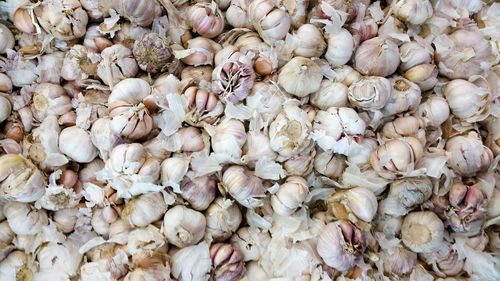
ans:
x=413 y=11
x=205 y=19
x=60 y=257
x=236 y=14
x=200 y=51
x=398 y=260
x=300 y=77
x=359 y=201
x=5 y=108
x=199 y=191
x=75 y=143
x=173 y=170
x=117 y=64
x=338 y=129
x=233 y=79
x=6 y=39
x=370 y=92
x=462 y=54
x=405 y=126
x=96 y=9
x=79 y=63
x=183 y=226
x=434 y=111
x=467 y=154
x=5 y=83
x=422 y=232
x=23 y=219
x=228 y=262
x=300 y=164
x=141 y=13
x=405 y=96
x=414 y=53
x=330 y=94
x=230 y=136
x=271 y=23
x=223 y=218
x=65 y=19
x=65 y=219
x=243 y=186
x=377 y=57
x=144 y=209
x=310 y=41
x=192 y=263
x=289 y=133
x=50 y=68
x=396 y=157
x=424 y=75
x=49 y=99
x=466 y=100
x=290 y=195
x=341 y=245
x=127 y=158
x=251 y=242
x=348 y=7
x=144 y=239
x=329 y=164
x=152 y=53
x=256 y=147
x=340 y=47
x=16 y=266
x=20 y=179
x=204 y=105
x=149 y=265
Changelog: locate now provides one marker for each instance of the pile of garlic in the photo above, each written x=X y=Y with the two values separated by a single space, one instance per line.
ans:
x=252 y=140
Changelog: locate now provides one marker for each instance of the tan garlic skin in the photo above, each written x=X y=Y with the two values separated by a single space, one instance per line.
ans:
x=205 y=19
x=271 y=23
x=377 y=57
x=149 y=265
x=64 y=19
x=467 y=154
x=5 y=83
x=422 y=232
x=396 y=157
x=137 y=12
x=228 y=262
x=493 y=138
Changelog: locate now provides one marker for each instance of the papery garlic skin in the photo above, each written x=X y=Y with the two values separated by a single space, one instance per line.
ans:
x=396 y=157
x=359 y=201
x=223 y=218
x=466 y=100
x=377 y=57
x=290 y=195
x=54 y=18
x=236 y=14
x=405 y=96
x=424 y=75
x=370 y=92
x=117 y=64
x=65 y=219
x=233 y=79
x=20 y=179
x=49 y=99
x=257 y=147
x=271 y=23
x=228 y=262
x=5 y=83
x=300 y=164
x=341 y=245
x=138 y=12
x=462 y=54
x=144 y=209
x=340 y=48
x=150 y=265
x=183 y=226
x=24 y=219
x=200 y=51
x=75 y=143
x=205 y=19
x=61 y=257
x=50 y=67
x=243 y=186
x=467 y=154
x=434 y=111
x=79 y=64
x=230 y=136
x=413 y=11
x=300 y=77
x=16 y=264
x=422 y=232
x=330 y=94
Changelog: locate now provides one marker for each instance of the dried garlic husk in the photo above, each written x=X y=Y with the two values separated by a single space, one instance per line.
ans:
x=65 y=20
x=467 y=154
x=341 y=245
x=493 y=138
x=370 y=92
x=62 y=257
x=467 y=101
x=145 y=209
x=20 y=179
x=227 y=261
x=422 y=232
x=359 y=201
x=141 y=13
x=300 y=77
x=183 y=226
x=290 y=195
x=396 y=157
x=223 y=218
x=243 y=186
x=147 y=238
x=80 y=63
x=17 y=266
x=377 y=57
x=257 y=147
x=330 y=94
x=405 y=96
x=23 y=219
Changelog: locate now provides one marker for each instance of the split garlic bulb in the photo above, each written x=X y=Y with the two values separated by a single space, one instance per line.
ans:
x=290 y=195
x=49 y=99
x=405 y=96
x=468 y=155
x=65 y=19
x=183 y=226
x=117 y=64
x=20 y=179
x=75 y=143
x=341 y=245
x=422 y=232
x=377 y=57
x=271 y=23
x=251 y=242
x=243 y=186
x=223 y=218
x=405 y=126
x=233 y=79
x=79 y=63
x=370 y=92
x=141 y=13
x=358 y=201
x=330 y=94
x=396 y=157
x=144 y=209
x=300 y=77
x=149 y=265
x=413 y=11
x=227 y=261
x=340 y=47
x=24 y=219
x=329 y=164
x=466 y=100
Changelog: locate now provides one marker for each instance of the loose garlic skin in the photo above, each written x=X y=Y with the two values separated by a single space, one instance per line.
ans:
x=271 y=23
x=290 y=196
x=75 y=143
x=23 y=219
x=330 y=94
x=466 y=100
x=340 y=48
x=413 y=11
x=396 y=157
x=370 y=92
x=199 y=191
x=434 y=111
x=6 y=39
x=183 y=226
x=144 y=209
x=310 y=41
x=406 y=96
x=21 y=180
x=467 y=154
x=64 y=19
x=462 y=54
x=422 y=232
x=243 y=186
x=117 y=64
x=338 y=129
x=300 y=77
x=223 y=218
x=205 y=19
x=141 y=13
x=414 y=53
x=49 y=99
x=377 y=57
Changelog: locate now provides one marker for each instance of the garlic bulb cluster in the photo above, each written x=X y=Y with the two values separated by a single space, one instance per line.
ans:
x=249 y=140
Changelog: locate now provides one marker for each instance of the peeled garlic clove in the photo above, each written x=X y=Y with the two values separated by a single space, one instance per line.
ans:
x=396 y=157
x=75 y=143
x=199 y=191
x=370 y=92
x=243 y=186
x=300 y=77
x=183 y=226
x=144 y=209
x=466 y=100
x=413 y=11
x=467 y=154
x=377 y=57
x=24 y=219
x=422 y=232
x=223 y=218
x=341 y=245
x=228 y=262
x=290 y=195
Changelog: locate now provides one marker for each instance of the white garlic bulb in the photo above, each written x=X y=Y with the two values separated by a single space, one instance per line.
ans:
x=251 y=242
x=405 y=96
x=340 y=47
x=290 y=195
x=377 y=57
x=63 y=257
x=422 y=232
x=257 y=147
x=183 y=226
x=414 y=53
x=223 y=218
x=17 y=264
x=192 y=263
x=149 y=265
x=406 y=194
x=413 y=11
x=230 y=136
x=300 y=77
x=243 y=186
x=310 y=41
x=24 y=219
x=359 y=201
x=398 y=260
x=103 y=138
x=330 y=94
x=338 y=129
x=6 y=39
x=144 y=209
x=147 y=238
x=20 y=179
x=329 y=164
x=127 y=158
x=370 y=92
x=405 y=126
x=466 y=100
x=434 y=111
x=75 y=143
x=271 y=23
x=117 y=64
x=468 y=155
x=199 y=191
x=173 y=170
x=49 y=99
x=65 y=219
x=396 y=157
